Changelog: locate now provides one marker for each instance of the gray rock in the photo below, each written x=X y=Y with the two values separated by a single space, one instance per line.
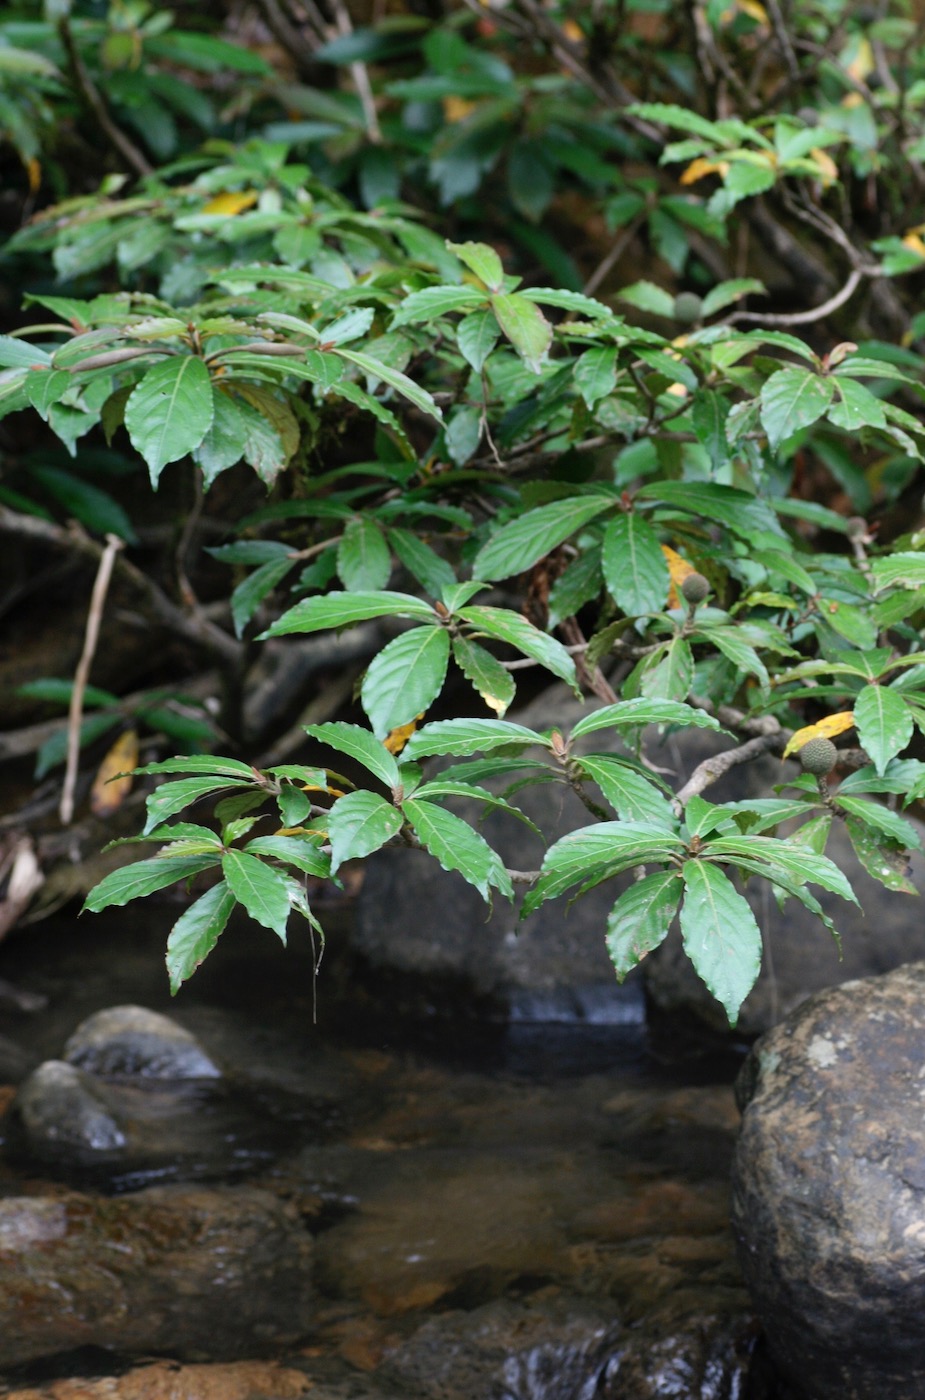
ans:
x=829 y=1189
x=196 y=1273
x=60 y=1110
x=15 y=1062
x=130 y=1040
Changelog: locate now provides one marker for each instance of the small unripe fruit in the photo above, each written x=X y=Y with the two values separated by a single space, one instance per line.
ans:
x=818 y=757
x=688 y=306
x=695 y=588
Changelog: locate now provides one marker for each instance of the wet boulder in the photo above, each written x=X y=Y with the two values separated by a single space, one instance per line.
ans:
x=60 y=1110
x=829 y=1189
x=131 y=1040
x=196 y=1273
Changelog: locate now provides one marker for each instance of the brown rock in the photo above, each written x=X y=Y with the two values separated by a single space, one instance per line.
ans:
x=239 y=1380
x=197 y=1273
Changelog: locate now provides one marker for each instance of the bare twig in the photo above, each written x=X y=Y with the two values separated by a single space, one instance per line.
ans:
x=360 y=75
x=713 y=768
x=94 y=100
x=803 y=318
x=614 y=255
x=91 y=637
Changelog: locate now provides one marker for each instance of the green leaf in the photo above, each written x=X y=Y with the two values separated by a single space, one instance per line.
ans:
x=143 y=878
x=857 y=408
x=671 y=675
x=250 y=593
x=403 y=680
x=904 y=570
x=745 y=515
x=573 y=301
x=477 y=335
x=883 y=722
x=359 y=823
x=299 y=851
x=880 y=858
x=596 y=373
x=363 y=558
x=173 y=797
x=577 y=585
x=769 y=855
x=262 y=890
x=169 y=411
x=726 y=293
x=202 y=763
x=632 y=713
x=646 y=296
x=729 y=641
x=467 y=736
x=359 y=744
x=345 y=609
x=19 y=354
x=394 y=378
x=641 y=918
x=525 y=326
x=721 y=936
x=635 y=569
x=883 y=820
x=607 y=849
x=521 y=543
x=792 y=399
x=482 y=260
x=433 y=302
x=485 y=672
x=632 y=796
x=709 y=412
x=196 y=933
x=453 y=843
x=431 y=571
x=45 y=387
x=505 y=626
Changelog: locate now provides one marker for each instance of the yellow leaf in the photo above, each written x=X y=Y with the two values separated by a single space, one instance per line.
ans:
x=113 y=783
x=399 y=737
x=863 y=63
x=34 y=172
x=914 y=242
x=828 y=170
x=231 y=202
x=702 y=166
x=678 y=570
x=823 y=729
x=456 y=109
x=572 y=31
x=753 y=10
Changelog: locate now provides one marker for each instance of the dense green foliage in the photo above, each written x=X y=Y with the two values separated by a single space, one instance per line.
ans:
x=619 y=489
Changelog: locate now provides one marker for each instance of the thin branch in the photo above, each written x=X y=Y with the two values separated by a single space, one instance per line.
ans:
x=82 y=674
x=803 y=318
x=713 y=768
x=360 y=75
x=615 y=254
x=94 y=100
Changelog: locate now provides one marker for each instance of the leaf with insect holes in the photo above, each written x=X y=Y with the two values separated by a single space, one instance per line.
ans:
x=196 y=933
x=641 y=918
x=720 y=933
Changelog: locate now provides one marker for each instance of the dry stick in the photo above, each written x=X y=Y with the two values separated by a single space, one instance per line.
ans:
x=360 y=76
x=91 y=95
x=713 y=768
x=91 y=637
x=614 y=256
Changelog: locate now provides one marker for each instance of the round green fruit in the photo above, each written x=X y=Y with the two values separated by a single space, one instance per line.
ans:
x=688 y=307
x=695 y=588
x=818 y=757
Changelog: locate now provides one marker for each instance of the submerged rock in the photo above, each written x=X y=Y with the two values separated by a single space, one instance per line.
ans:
x=131 y=1040
x=192 y=1272
x=829 y=1189
x=59 y=1110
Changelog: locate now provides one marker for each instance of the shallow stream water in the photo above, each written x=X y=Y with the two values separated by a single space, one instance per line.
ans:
x=528 y=1212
